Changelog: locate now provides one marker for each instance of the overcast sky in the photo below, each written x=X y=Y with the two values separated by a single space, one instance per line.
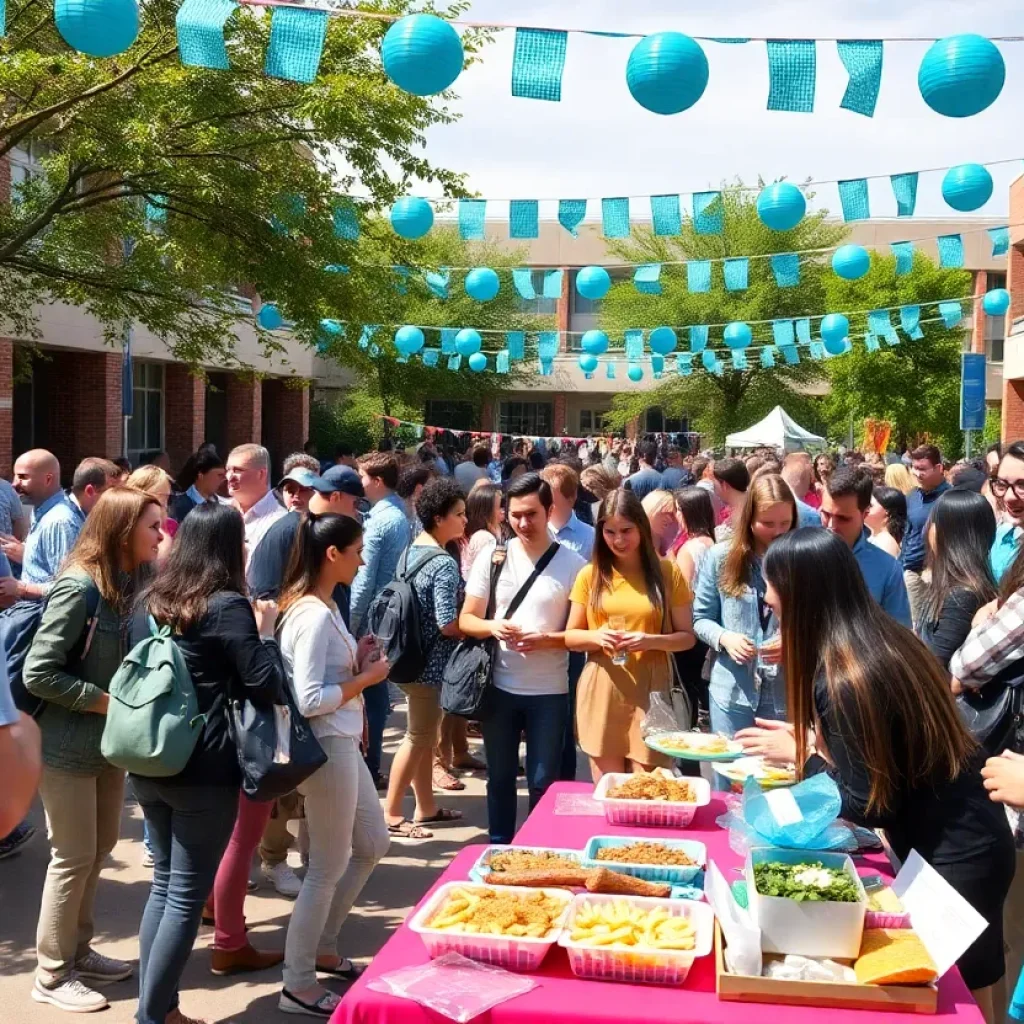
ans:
x=598 y=142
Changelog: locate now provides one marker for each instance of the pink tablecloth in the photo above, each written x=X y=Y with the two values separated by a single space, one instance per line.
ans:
x=562 y=997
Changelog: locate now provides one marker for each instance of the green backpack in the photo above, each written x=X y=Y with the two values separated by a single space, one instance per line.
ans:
x=153 y=720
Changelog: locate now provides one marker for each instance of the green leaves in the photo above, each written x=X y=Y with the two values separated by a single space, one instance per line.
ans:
x=811 y=882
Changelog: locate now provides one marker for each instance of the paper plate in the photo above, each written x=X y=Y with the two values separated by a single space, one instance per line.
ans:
x=675 y=744
x=739 y=770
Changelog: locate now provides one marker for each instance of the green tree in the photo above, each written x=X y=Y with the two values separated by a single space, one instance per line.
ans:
x=243 y=169
x=715 y=404
x=915 y=384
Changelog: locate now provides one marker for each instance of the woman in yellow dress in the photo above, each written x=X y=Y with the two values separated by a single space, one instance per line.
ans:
x=629 y=611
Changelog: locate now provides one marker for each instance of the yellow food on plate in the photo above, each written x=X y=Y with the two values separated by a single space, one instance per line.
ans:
x=885 y=901
x=622 y=925
x=695 y=743
x=646 y=853
x=653 y=786
x=893 y=956
x=477 y=911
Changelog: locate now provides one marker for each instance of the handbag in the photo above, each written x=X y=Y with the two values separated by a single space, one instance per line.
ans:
x=470 y=667
x=994 y=713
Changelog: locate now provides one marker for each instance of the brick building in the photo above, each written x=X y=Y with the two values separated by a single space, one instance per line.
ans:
x=1013 y=367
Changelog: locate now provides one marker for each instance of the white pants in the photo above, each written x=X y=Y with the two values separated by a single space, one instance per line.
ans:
x=347 y=837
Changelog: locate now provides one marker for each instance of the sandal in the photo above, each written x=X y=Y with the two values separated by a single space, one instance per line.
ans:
x=444 y=814
x=351 y=972
x=406 y=829
x=443 y=779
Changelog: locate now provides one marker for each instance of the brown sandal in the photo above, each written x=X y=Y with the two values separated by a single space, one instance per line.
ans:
x=443 y=779
x=441 y=815
x=406 y=829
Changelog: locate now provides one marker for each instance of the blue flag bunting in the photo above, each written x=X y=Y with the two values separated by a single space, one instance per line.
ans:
x=803 y=330
x=657 y=366
x=786 y=268
x=736 y=273
x=448 y=340
x=951 y=251
x=547 y=367
x=431 y=356
x=537 y=63
x=684 y=364
x=698 y=338
x=904 y=253
x=817 y=350
x=878 y=322
x=952 y=313
x=610 y=369
x=367 y=335
x=645 y=279
x=501 y=362
x=783 y=332
x=547 y=344
x=666 y=218
x=853 y=195
x=904 y=188
x=790 y=354
x=1000 y=240
x=346 y=223
x=709 y=359
x=791 y=70
x=200 y=27
x=571 y=213
x=515 y=342
x=524 y=218
x=634 y=345
x=862 y=58
x=910 y=321
x=296 y=43
x=615 y=217
x=708 y=213
x=472 y=213
x=553 y=284
x=438 y=282
x=698 y=276
x=739 y=359
x=768 y=357
x=522 y=280
x=454 y=362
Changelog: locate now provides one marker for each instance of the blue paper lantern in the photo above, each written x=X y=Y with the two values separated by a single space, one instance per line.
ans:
x=269 y=317
x=996 y=302
x=738 y=334
x=966 y=187
x=851 y=262
x=781 y=206
x=482 y=284
x=588 y=362
x=98 y=28
x=593 y=282
x=422 y=54
x=408 y=340
x=478 y=362
x=412 y=217
x=834 y=327
x=331 y=326
x=961 y=75
x=667 y=72
x=836 y=346
x=635 y=373
x=662 y=341
x=467 y=342
x=595 y=343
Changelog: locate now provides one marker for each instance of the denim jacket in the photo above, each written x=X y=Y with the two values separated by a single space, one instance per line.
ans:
x=71 y=735
x=386 y=534
x=714 y=613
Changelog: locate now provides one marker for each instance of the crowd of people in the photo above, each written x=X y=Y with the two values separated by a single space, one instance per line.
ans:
x=849 y=614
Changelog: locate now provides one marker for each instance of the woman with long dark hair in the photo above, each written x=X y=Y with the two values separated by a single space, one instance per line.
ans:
x=483 y=523
x=961 y=530
x=630 y=610
x=328 y=671
x=198 y=482
x=888 y=732
x=201 y=595
x=696 y=517
x=821 y=469
x=887 y=519
x=731 y=617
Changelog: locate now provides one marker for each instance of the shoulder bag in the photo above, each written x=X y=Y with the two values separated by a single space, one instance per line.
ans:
x=994 y=713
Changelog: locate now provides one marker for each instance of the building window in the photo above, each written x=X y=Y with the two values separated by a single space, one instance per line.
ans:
x=995 y=326
x=27 y=162
x=146 y=423
x=538 y=306
x=451 y=415
x=658 y=423
x=580 y=305
x=533 y=419
x=586 y=421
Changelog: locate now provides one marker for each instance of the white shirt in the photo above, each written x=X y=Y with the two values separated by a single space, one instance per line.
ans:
x=319 y=655
x=544 y=610
x=467 y=474
x=260 y=518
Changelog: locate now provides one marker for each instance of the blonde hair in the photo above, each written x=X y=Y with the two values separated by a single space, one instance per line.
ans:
x=897 y=475
x=599 y=481
x=766 y=490
x=145 y=478
x=658 y=500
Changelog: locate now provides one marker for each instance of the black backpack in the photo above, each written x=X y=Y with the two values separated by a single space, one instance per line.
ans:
x=394 y=619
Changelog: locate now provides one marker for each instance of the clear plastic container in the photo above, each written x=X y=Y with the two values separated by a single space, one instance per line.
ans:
x=511 y=952
x=481 y=869
x=675 y=874
x=639 y=966
x=674 y=814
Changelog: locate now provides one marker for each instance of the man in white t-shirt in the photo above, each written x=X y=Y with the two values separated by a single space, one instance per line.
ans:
x=531 y=672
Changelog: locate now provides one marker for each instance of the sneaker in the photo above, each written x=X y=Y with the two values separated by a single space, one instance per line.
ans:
x=14 y=841
x=283 y=879
x=147 y=858
x=68 y=993
x=97 y=968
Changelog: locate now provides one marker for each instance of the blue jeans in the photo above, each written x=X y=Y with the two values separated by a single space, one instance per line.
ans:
x=729 y=721
x=378 y=708
x=189 y=827
x=542 y=718
x=567 y=769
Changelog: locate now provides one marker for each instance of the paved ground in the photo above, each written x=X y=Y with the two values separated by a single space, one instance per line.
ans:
x=393 y=889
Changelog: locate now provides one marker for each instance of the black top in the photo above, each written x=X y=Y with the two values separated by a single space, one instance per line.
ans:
x=946 y=823
x=946 y=635
x=179 y=506
x=227 y=659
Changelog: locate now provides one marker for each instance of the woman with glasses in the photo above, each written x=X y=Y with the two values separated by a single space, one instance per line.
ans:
x=1007 y=488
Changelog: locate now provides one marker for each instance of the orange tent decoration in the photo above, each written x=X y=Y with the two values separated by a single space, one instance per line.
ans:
x=876 y=435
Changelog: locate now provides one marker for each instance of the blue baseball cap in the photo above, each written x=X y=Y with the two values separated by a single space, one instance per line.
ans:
x=301 y=476
x=339 y=478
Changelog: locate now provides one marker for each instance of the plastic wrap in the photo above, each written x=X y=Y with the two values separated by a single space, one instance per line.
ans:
x=660 y=717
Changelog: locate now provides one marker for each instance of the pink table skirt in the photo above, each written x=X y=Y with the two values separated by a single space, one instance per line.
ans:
x=561 y=996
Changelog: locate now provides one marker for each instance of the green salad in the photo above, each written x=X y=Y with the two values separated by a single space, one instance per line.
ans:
x=809 y=882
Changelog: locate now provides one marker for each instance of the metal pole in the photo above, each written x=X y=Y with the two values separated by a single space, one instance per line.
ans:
x=967 y=445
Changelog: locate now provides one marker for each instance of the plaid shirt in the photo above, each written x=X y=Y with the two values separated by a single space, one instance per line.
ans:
x=996 y=643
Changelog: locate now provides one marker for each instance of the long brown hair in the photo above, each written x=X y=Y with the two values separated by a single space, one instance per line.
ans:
x=103 y=539
x=889 y=697
x=309 y=553
x=766 y=490
x=626 y=504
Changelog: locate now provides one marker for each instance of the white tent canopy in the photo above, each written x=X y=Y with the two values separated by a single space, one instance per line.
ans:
x=777 y=430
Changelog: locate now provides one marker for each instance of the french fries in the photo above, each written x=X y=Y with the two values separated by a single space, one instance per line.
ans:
x=620 y=925
x=478 y=911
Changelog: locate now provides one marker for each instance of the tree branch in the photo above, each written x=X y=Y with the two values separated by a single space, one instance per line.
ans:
x=37 y=223
x=231 y=115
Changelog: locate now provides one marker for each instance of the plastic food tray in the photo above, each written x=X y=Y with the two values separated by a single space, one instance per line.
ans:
x=650 y=812
x=640 y=966
x=480 y=870
x=510 y=952
x=677 y=875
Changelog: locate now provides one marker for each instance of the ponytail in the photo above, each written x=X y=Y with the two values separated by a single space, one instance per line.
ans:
x=309 y=551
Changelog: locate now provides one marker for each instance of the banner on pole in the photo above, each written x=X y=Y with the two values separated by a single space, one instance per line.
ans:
x=972 y=391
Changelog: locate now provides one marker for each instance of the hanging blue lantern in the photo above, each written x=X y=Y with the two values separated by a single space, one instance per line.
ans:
x=478 y=362
x=967 y=187
x=635 y=374
x=588 y=362
x=738 y=334
x=412 y=217
x=595 y=343
x=662 y=341
x=467 y=342
x=667 y=72
x=422 y=54
x=482 y=284
x=836 y=346
x=834 y=327
x=331 y=326
x=781 y=206
x=97 y=28
x=593 y=282
x=996 y=302
x=269 y=317
x=961 y=75
x=851 y=262
x=408 y=340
